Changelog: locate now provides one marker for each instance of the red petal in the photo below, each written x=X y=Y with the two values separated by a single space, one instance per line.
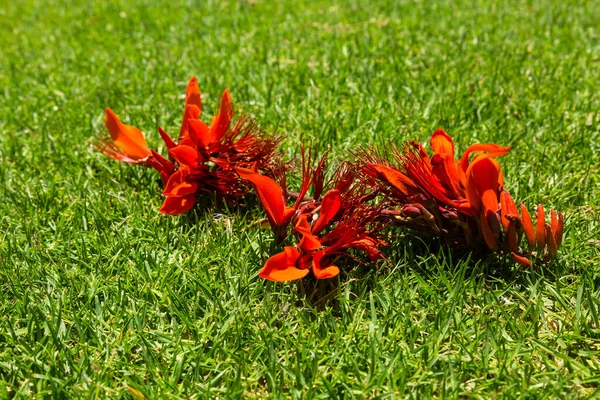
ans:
x=486 y=231
x=559 y=233
x=444 y=168
x=282 y=266
x=177 y=205
x=221 y=122
x=192 y=94
x=309 y=242
x=528 y=227
x=552 y=248
x=441 y=143
x=166 y=138
x=127 y=138
x=269 y=193
x=524 y=262
x=540 y=228
x=190 y=112
x=507 y=207
x=192 y=107
x=186 y=155
x=554 y=224
x=483 y=177
x=398 y=180
x=201 y=133
x=511 y=236
x=323 y=273
x=329 y=207
x=488 y=150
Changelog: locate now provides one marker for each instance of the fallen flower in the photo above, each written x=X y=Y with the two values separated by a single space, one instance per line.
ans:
x=463 y=201
x=204 y=158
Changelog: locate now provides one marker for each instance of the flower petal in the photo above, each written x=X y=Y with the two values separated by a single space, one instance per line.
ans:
x=309 y=242
x=483 y=177
x=396 y=179
x=486 y=231
x=441 y=143
x=166 y=138
x=540 y=228
x=191 y=112
x=552 y=248
x=220 y=123
x=330 y=205
x=127 y=138
x=527 y=227
x=177 y=205
x=323 y=271
x=507 y=208
x=192 y=94
x=524 y=262
x=186 y=155
x=282 y=266
x=200 y=133
x=269 y=193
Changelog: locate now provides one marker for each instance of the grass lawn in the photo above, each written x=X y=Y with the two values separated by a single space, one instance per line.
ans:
x=104 y=297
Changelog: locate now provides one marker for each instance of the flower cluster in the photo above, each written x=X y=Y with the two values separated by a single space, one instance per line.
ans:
x=204 y=158
x=463 y=201
x=325 y=226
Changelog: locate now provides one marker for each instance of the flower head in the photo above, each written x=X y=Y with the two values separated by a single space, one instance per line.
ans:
x=204 y=158
x=461 y=200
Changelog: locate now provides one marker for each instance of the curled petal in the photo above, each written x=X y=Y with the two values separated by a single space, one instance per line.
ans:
x=527 y=227
x=177 y=205
x=552 y=247
x=282 y=266
x=524 y=262
x=511 y=236
x=324 y=271
x=540 y=228
x=166 y=138
x=269 y=193
x=508 y=208
x=329 y=207
x=494 y=150
x=482 y=184
x=129 y=139
x=220 y=123
x=396 y=179
x=441 y=143
x=486 y=231
x=309 y=242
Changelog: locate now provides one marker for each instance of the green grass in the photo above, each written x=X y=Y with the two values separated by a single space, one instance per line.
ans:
x=103 y=297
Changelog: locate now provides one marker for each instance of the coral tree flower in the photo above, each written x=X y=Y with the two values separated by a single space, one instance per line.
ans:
x=204 y=158
x=462 y=200
x=126 y=143
x=349 y=223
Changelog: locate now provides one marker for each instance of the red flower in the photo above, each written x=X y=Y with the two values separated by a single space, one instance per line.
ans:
x=204 y=157
x=317 y=253
x=341 y=211
x=461 y=200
